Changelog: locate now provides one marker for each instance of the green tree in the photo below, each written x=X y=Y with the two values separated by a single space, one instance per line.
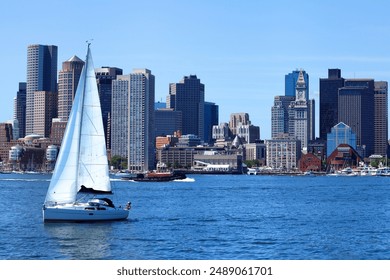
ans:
x=119 y=162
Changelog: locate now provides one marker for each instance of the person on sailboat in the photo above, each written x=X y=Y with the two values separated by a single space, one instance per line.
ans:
x=128 y=206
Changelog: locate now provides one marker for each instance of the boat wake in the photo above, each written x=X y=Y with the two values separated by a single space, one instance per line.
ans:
x=189 y=180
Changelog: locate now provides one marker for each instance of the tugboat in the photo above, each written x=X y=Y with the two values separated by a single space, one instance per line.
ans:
x=154 y=176
x=159 y=175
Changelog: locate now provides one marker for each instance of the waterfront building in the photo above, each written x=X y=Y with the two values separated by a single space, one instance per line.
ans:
x=104 y=77
x=329 y=90
x=340 y=134
x=176 y=157
x=290 y=82
x=188 y=97
x=20 y=109
x=283 y=153
x=167 y=121
x=343 y=156
x=68 y=79
x=310 y=162
x=216 y=162
x=41 y=76
x=279 y=115
x=381 y=118
x=356 y=108
x=45 y=109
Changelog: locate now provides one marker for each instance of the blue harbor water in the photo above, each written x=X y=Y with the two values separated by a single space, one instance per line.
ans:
x=213 y=217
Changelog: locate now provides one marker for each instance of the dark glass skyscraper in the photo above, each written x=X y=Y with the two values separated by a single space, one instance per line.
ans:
x=329 y=88
x=290 y=82
x=41 y=76
x=187 y=96
x=211 y=112
x=356 y=108
x=104 y=76
x=21 y=108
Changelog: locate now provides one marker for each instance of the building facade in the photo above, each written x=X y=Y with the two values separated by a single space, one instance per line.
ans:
x=141 y=124
x=340 y=134
x=381 y=118
x=20 y=109
x=290 y=82
x=237 y=119
x=167 y=122
x=41 y=76
x=279 y=115
x=104 y=77
x=283 y=154
x=249 y=133
x=211 y=118
x=45 y=109
x=299 y=114
x=188 y=97
x=68 y=79
x=120 y=116
x=221 y=132
x=356 y=108
x=329 y=90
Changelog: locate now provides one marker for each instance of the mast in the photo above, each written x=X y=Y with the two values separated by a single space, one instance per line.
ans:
x=82 y=111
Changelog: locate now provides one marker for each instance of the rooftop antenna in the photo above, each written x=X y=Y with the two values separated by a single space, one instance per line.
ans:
x=89 y=41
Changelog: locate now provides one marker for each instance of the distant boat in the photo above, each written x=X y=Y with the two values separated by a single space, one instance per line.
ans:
x=308 y=173
x=155 y=176
x=81 y=173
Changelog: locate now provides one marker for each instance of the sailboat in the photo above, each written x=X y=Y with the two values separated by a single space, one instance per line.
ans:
x=81 y=175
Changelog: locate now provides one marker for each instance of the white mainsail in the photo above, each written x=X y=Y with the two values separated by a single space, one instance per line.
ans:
x=82 y=159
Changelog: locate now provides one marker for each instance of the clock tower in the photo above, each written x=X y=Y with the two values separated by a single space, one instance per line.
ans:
x=300 y=88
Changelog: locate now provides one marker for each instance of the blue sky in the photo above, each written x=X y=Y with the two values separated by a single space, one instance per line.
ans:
x=240 y=50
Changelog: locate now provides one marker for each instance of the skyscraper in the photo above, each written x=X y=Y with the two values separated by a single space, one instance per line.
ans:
x=210 y=119
x=45 y=109
x=187 y=96
x=290 y=82
x=133 y=121
x=20 y=109
x=299 y=114
x=41 y=76
x=68 y=79
x=120 y=115
x=356 y=108
x=279 y=115
x=329 y=88
x=141 y=140
x=381 y=118
x=104 y=76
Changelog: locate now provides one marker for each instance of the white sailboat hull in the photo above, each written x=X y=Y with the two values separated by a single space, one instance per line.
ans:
x=83 y=213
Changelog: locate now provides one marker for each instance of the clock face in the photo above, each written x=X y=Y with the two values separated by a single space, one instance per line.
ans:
x=300 y=94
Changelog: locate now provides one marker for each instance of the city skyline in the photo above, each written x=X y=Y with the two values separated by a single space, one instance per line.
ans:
x=241 y=51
